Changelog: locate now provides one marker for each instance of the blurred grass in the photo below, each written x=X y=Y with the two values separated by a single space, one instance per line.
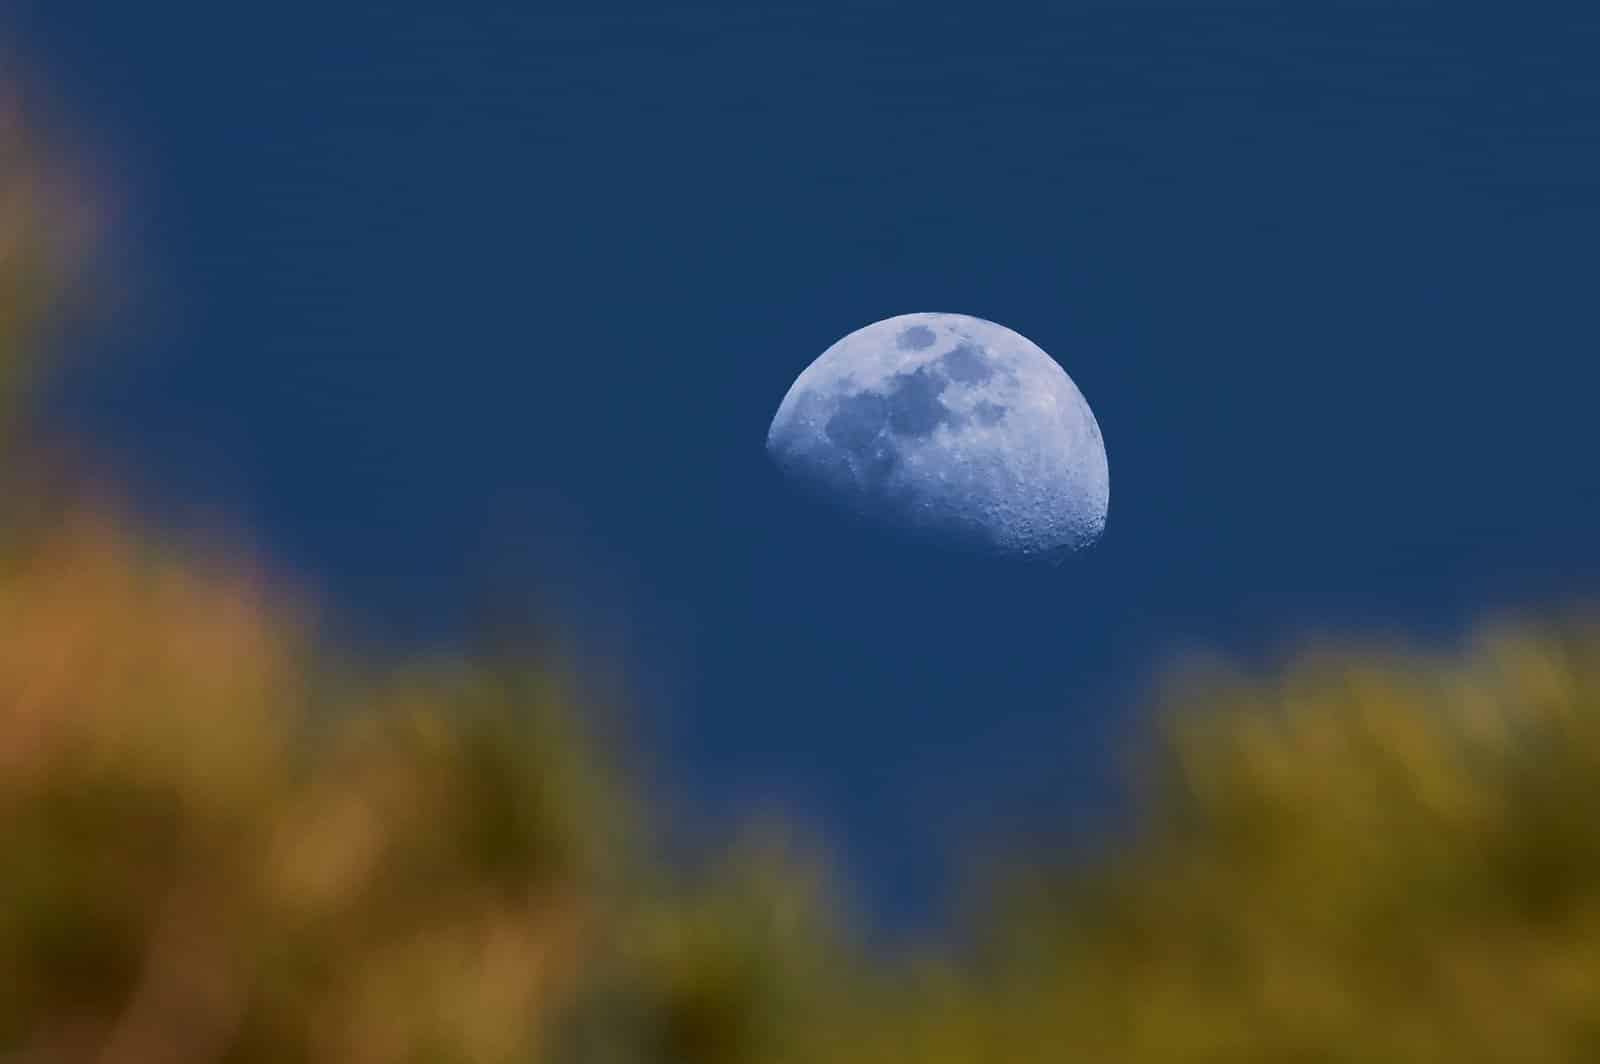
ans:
x=221 y=841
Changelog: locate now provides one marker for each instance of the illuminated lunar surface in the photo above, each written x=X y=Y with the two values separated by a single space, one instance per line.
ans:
x=952 y=428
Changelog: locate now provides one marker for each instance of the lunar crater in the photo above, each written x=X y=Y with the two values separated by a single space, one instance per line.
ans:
x=967 y=364
x=988 y=413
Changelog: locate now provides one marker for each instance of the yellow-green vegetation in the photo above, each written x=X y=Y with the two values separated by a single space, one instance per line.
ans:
x=1363 y=858
x=221 y=841
x=203 y=861
x=217 y=849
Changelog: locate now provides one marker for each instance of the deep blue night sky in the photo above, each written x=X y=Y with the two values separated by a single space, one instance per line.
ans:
x=436 y=299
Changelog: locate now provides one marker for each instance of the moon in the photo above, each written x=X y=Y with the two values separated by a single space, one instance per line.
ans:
x=952 y=428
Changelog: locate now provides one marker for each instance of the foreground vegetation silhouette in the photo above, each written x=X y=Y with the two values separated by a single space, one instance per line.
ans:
x=221 y=839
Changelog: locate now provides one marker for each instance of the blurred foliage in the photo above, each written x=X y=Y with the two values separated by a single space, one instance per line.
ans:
x=204 y=862
x=42 y=229
x=222 y=841
x=1364 y=858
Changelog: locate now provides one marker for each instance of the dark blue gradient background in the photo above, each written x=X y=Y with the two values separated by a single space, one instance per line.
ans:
x=452 y=303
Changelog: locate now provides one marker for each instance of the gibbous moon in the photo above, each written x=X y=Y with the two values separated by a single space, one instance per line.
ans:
x=952 y=428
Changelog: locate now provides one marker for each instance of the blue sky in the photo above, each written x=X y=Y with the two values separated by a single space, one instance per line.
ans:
x=440 y=302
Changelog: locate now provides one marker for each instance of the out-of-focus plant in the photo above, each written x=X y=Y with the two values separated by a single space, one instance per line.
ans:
x=213 y=853
x=1366 y=858
x=217 y=841
x=44 y=223
x=739 y=961
x=205 y=861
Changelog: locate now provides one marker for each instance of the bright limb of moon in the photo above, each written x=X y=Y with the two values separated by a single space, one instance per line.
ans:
x=950 y=427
